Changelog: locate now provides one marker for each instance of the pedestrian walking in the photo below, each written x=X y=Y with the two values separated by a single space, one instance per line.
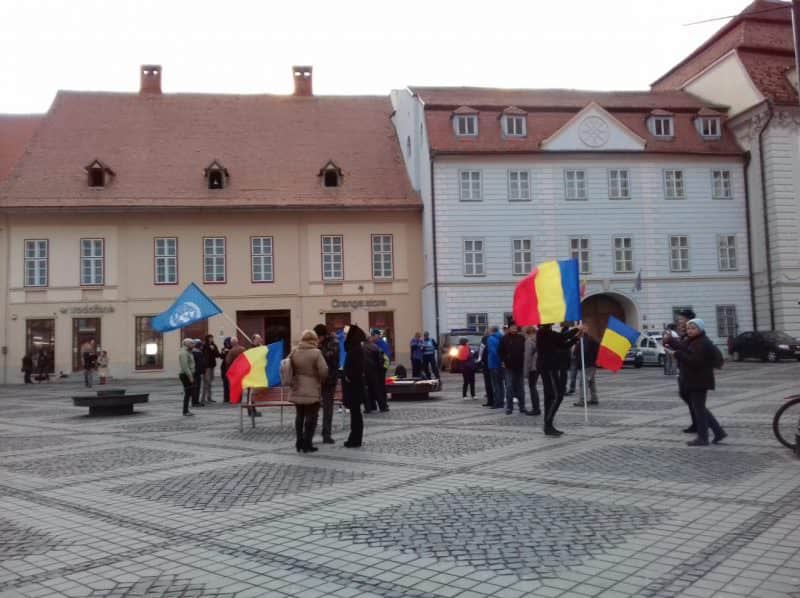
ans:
x=674 y=342
x=483 y=359
x=530 y=371
x=697 y=358
x=223 y=369
x=89 y=357
x=211 y=354
x=550 y=346
x=353 y=384
x=496 y=368
x=27 y=367
x=466 y=363
x=329 y=346
x=429 y=349
x=102 y=365
x=512 y=356
x=43 y=365
x=416 y=347
x=186 y=363
x=587 y=365
x=309 y=372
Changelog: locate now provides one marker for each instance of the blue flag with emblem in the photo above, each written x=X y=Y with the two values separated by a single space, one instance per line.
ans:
x=191 y=306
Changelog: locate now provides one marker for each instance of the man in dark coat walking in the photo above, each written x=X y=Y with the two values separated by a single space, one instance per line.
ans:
x=550 y=346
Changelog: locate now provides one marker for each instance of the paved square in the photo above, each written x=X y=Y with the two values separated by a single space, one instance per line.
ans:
x=446 y=498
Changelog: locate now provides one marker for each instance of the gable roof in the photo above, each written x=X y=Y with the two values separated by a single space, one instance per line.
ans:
x=594 y=107
x=16 y=132
x=159 y=146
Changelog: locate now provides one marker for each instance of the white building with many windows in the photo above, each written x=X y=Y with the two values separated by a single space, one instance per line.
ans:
x=646 y=189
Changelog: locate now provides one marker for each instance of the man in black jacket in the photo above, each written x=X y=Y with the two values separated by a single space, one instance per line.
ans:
x=512 y=355
x=199 y=370
x=329 y=346
x=549 y=347
x=674 y=343
x=211 y=354
x=375 y=373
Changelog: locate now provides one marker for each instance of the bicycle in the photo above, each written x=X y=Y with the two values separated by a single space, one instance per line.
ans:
x=786 y=424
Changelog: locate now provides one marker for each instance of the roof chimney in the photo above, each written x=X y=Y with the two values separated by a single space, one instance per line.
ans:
x=302 y=80
x=150 y=78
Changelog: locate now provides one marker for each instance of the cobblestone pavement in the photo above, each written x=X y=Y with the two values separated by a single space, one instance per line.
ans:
x=446 y=498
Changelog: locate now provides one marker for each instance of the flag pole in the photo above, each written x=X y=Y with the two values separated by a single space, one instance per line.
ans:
x=583 y=378
x=227 y=317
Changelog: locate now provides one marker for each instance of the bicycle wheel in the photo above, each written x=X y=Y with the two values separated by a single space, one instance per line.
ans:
x=786 y=423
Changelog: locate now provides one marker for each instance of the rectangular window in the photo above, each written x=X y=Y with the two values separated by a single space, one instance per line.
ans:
x=579 y=250
x=166 y=260
x=466 y=125
x=332 y=257
x=679 y=253
x=478 y=322
x=673 y=184
x=618 y=184
x=92 y=262
x=149 y=345
x=522 y=258
x=661 y=126
x=37 y=257
x=514 y=126
x=214 y=259
x=470 y=185
x=575 y=184
x=727 y=325
x=726 y=251
x=519 y=188
x=473 y=257
x=261 y=259
x=382 y=257
x=623 y=255
x=721 y=180
x=710 y=127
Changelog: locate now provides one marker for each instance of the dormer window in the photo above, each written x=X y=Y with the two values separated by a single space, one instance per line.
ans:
x=98 y=174
x=709 y=127
x=662 y=126
x=465 y=122
x=331 y=175
x=514 y=122
x=216 y=175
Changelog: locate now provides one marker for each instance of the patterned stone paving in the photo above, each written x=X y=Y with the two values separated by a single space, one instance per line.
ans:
x=445 y=499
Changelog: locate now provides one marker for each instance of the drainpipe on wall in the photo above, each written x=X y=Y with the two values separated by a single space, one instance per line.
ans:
x=766 y=217
x=753 y=312
x=435 y=261
x=6 y=227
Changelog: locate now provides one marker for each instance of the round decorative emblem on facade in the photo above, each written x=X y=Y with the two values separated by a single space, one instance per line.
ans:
x=594 y=131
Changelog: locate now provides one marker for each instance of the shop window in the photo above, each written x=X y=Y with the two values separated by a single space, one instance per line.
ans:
x=149 y=345
x=40 y=344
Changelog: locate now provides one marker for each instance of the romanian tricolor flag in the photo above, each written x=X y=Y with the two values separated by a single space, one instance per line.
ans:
x=548 y=295
x=617 y=339
x=259 y=367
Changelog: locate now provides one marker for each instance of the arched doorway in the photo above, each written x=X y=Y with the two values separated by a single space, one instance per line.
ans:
x=597 y=308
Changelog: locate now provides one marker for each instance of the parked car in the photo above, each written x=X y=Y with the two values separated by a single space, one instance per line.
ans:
x=449 y=347
x=652 y=350
x=767 y=346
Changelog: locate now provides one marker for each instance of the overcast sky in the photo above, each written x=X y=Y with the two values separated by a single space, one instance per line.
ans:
x=355 y=47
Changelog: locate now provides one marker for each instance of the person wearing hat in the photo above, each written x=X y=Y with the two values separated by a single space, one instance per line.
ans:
x=697 y=358
x=672 y=342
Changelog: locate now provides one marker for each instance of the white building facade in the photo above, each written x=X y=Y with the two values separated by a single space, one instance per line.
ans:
x=513 y=178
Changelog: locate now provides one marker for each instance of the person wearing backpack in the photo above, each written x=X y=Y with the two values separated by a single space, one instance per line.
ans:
x=309 y=372
x=697 y=359
x=329 y=345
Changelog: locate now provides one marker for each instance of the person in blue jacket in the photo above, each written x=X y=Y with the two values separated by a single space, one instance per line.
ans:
x=496 y=368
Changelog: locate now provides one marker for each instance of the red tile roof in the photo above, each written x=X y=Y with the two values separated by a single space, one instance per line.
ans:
x=159 y=145
x=15 y=134
x=768 y=72
x=549 y=109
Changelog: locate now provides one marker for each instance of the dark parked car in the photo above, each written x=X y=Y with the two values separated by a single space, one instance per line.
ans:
x=449 y=347
x=767 y=346
x=634 y=357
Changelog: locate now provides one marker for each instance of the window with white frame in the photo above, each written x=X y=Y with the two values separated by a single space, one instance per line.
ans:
x=709 y=127
x=679 y=253
x=36 y=262
x=166 y=260
x=465 y=125
x=721 y=182
x=514 y=125
x=618 y=187
x=623 y=255
x=579 y=250
x=92 y=262
x=214 y=259
x=473 y=257
x=470 y=185
x=575 y=184
x=478 y=322
x=519 y=188
x=661 y=126
x=726 y=250
x=522 y=258
x=673 y=184
x=727 y=324
x=261 y=265
x=382 y=259
x=332 y=258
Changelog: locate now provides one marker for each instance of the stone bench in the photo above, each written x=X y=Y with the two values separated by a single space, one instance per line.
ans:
x=411 y=389
x=110 y=402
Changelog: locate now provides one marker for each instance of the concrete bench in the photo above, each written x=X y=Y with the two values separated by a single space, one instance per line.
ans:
x=117 y=403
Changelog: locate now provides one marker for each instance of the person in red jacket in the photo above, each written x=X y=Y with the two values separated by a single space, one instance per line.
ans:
x=466 y=362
